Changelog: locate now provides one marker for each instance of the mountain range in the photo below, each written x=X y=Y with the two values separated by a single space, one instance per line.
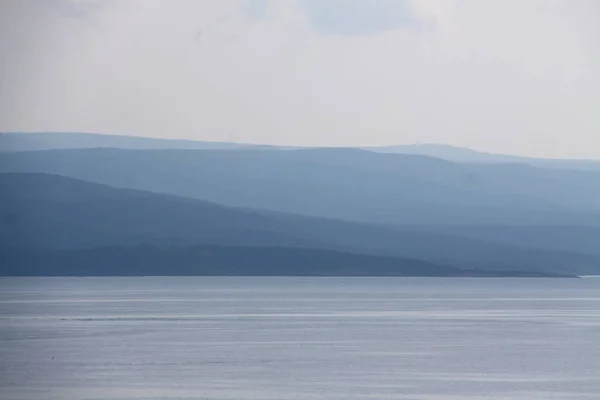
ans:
x=20 y=141
x=345 y=184
x=41 y=211
x=323 y=202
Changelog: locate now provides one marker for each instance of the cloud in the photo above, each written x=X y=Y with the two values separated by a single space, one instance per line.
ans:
x=359 y=17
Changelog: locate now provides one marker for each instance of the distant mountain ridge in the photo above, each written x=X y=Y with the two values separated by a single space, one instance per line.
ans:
x=346 y=184
x=473 y=215
x=466 y=155
x=18 y=141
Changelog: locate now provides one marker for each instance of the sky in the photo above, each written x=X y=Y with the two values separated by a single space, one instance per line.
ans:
x=512 y=76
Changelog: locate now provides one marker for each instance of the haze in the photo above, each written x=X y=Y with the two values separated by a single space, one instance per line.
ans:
x=517 y=77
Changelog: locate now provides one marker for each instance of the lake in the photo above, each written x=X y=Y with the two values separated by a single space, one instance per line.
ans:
x=299 y=338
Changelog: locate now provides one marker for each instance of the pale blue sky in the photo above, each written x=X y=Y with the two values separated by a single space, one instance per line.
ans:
x=513 y=76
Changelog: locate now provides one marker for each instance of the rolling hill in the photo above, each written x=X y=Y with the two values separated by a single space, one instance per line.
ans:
x=40 y=211
x=18 y=141
x=339 y=183
x=466 y=155
x=225 y=261
x=21 y=141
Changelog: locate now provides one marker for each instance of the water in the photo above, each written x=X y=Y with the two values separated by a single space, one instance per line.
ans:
x=299 y=338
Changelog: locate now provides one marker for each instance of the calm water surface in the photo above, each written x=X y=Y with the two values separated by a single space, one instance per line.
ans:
x=299 y=338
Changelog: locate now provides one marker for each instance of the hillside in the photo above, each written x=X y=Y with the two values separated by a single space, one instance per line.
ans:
x=45 y=211
x=339 y=183
x=18 y=141
x=465 y=155
x=22 y=141
x=582 y=239
x=224 y=261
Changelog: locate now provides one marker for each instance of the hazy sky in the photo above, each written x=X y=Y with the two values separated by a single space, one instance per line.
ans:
x=513 y=76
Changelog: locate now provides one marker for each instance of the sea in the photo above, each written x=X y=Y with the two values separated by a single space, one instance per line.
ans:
x=226 y=338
